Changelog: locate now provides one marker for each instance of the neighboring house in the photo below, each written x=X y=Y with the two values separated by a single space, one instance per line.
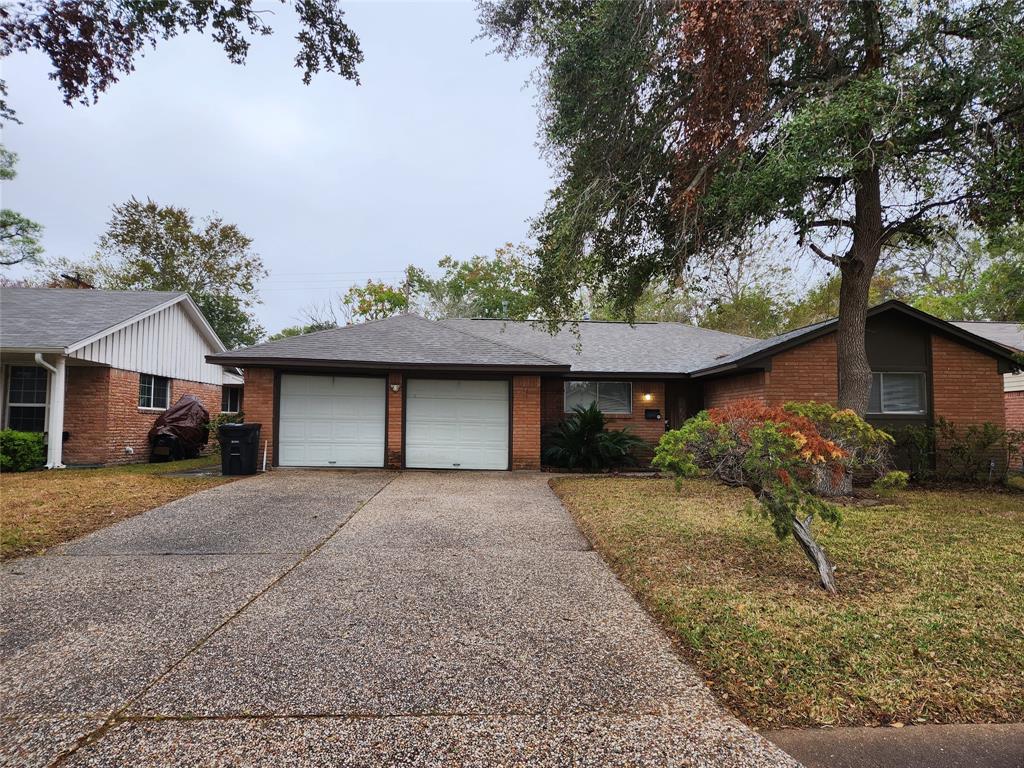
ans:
x=97 y=368
x=1010 y=335
x=477 y=394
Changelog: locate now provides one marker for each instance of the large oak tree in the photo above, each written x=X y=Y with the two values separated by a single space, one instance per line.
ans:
x=680 y=128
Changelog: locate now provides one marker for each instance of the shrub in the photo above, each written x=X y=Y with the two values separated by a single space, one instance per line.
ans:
x=967 y=453
x=915 y=449
x=895 y=480
x=869 y=448
x=21 y=451
x=216 y=421
x=582 y=441
x=780 y=455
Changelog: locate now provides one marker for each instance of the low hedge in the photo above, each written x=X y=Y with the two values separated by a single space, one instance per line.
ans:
x=21 y=451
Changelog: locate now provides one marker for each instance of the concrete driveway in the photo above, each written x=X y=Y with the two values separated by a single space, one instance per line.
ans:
x=348 y=619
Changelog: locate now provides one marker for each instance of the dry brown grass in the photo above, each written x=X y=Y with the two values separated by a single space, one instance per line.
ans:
x=40 y=509
x=929 y=625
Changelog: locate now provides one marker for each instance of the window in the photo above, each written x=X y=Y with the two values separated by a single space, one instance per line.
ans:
x=230 y=399
x=154 y=391
x=610 y=396
x=897 y=393
x=26 y=398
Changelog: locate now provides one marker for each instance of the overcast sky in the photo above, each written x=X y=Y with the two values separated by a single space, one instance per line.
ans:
x=434 y=153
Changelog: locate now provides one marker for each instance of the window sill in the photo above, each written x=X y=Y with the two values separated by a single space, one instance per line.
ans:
x=145 y=409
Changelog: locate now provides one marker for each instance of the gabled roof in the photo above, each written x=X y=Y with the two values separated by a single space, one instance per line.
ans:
x=1008 y=334
x=596 y=347
x=404 y=340
x=760 y=351
x=61 y=320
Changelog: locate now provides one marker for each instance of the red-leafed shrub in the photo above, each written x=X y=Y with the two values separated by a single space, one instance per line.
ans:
x=784 y=455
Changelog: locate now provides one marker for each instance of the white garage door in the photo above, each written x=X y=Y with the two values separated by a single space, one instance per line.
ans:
x=456 y=424
x=331 y=421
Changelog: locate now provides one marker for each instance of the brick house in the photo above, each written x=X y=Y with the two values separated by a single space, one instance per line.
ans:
x=98 y=367
x=1010 y=335
x=477 y=394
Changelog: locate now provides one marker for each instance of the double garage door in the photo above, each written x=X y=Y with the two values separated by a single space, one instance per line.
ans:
x=340 y=421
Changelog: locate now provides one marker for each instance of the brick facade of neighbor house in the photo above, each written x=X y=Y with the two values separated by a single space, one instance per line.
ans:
x=102 y=415
x=87 y=392
x=526 y=422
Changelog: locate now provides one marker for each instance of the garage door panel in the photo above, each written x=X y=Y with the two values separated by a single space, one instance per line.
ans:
x=331 y=421
x=456 y=424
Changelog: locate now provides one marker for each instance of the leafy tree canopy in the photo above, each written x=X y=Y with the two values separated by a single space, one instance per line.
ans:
x=496 y=286
x=679 y=128
x=150 y=247
x=91 y=43
x=19 y=236
x=299 y=330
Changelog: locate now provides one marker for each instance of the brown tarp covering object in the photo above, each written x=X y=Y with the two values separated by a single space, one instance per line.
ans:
x=188 y=421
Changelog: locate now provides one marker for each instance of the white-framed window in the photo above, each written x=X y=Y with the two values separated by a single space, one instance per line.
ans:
x=610 y=396
x=898 y=393
x=154 y=391
x=230 y=399
x=27 y=390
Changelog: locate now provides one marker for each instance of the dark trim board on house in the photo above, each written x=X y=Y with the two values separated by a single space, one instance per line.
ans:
x=679 y=369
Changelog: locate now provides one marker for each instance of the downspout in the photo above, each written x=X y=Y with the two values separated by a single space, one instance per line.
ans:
x=55 y=427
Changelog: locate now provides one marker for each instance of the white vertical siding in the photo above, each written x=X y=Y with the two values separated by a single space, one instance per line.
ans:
x=165 y=344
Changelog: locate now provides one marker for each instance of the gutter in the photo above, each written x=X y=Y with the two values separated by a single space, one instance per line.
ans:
x=40 y=361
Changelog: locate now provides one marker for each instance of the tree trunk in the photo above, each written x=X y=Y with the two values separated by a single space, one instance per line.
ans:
x=858 y=266
x=826 y=572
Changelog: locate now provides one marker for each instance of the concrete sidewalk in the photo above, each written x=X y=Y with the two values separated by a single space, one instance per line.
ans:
x=920 y=746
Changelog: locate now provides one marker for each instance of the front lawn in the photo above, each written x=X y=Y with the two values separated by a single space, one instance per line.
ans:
x=40 y=509
x=928 y=626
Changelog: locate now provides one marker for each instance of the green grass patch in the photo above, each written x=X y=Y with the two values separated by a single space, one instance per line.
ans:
x=48 y=507
x=928 y=627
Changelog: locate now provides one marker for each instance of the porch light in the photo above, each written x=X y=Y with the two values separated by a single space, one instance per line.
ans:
x=648 y=397
x=395 y=387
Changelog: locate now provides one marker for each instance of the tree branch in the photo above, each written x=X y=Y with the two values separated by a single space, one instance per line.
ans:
x=902 y=226
x=821 y=254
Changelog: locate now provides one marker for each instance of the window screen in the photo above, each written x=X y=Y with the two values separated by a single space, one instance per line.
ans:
x=897 y=393
x=154 y=391
x=231 y=399
x=26 y=398
x=610 y=396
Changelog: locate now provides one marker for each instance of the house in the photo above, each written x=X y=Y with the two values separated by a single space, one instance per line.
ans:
x=477 y=394
x=1010 y=335
x=98 y=367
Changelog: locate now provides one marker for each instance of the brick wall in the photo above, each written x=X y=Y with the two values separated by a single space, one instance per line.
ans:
x=393 y=449
x=85 y=414
x=743 y=386
x=807 y=372
x=259 y=407
x=648 y=430
x=103 y=417
x=967 y=387
x=526 y=422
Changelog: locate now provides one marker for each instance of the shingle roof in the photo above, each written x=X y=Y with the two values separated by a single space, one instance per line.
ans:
x=1008 y=334
x=57 y=318
x=607 y=347
x=405 y=340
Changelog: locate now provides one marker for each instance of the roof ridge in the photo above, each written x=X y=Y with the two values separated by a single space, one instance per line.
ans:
x=502 y=344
